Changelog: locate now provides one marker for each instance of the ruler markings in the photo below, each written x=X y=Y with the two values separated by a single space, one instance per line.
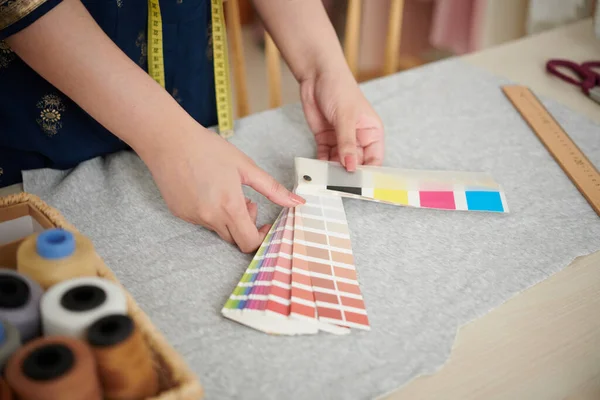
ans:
x=557 y=142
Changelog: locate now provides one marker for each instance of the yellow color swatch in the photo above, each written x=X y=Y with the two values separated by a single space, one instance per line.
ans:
x=388 y=181
x=393 y=196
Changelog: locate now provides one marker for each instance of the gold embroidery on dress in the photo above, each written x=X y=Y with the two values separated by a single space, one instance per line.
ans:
x=51 y=107
x=119 y=3
x=12 y=11
x=6 y=54
x=143 y=45
x=209 y=46
x=1 y=171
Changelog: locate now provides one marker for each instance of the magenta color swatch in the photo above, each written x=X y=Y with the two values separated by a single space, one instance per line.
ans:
x=443 y=200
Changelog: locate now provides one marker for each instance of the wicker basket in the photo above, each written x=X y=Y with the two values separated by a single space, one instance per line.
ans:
x=176 y=379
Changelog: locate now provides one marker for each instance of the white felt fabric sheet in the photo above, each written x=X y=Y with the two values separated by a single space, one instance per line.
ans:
x=423 y=273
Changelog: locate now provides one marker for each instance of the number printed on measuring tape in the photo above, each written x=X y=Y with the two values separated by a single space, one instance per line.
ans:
x=156 y=67
x=221 y=70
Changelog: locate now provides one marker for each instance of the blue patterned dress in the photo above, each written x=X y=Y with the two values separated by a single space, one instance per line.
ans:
x=42 y=128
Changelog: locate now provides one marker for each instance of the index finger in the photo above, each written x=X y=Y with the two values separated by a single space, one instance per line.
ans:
x=266 y=185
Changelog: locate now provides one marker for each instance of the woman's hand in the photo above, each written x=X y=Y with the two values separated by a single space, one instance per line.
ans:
x=345 y=126
x=200 y=176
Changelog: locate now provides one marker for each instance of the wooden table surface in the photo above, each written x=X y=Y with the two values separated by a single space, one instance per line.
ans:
x=545 y=342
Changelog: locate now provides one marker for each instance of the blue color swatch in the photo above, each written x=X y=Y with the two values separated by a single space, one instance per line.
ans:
x=484 y=201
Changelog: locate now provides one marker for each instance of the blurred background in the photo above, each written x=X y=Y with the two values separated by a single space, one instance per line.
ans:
x=430 y=30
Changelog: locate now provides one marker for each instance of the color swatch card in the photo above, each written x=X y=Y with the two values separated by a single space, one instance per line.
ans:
x=322 y=258
x=445 y=190
x=302 y=280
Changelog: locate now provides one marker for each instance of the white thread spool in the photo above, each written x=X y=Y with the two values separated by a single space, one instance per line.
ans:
x=70 y=307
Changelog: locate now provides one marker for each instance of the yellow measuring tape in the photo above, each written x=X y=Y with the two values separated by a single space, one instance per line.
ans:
x=156 y=65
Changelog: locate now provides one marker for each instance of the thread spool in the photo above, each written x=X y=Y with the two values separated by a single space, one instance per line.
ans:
x=70 y=307
x=54 y=368
x=20 y=303
x=10 y=341
x=56 y=255
x=124 y=361
x=5 y=391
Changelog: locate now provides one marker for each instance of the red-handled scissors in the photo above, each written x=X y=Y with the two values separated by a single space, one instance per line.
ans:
x=588 y=73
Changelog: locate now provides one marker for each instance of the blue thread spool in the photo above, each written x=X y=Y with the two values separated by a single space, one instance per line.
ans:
x=55 y=244
x=56 y=255
x=20 y=303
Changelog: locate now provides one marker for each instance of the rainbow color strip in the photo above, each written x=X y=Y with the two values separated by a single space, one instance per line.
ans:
x=262 y=298
x=241 y=294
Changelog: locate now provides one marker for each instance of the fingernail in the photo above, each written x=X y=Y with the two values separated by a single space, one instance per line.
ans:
x=297 y=199
x=349 y=163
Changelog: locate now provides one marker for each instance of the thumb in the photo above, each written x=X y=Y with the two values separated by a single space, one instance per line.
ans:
x=266 y=185
x=345 y=131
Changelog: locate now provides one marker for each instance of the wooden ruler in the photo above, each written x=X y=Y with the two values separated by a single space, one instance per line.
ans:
x=156 y=66
x=571 y=159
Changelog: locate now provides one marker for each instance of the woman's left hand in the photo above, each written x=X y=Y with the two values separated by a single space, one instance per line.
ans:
x=346 y=127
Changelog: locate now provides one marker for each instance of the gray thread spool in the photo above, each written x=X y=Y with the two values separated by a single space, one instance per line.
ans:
x=10 y=341
x=20 y=303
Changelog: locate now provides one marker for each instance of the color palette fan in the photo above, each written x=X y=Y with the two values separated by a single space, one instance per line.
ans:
x=303 y=279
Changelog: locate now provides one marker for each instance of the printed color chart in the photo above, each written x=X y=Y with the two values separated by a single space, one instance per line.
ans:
x=442 y=190
x=262 y=298
x=322 y=248
x=303 y=279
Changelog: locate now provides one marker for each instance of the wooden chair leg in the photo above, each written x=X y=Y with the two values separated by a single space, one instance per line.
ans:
x=352 y=35
x=394 y=34
x=273 y=71
x=238 y=65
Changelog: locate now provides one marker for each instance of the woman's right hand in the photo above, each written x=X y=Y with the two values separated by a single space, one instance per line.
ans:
x=200 y=176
